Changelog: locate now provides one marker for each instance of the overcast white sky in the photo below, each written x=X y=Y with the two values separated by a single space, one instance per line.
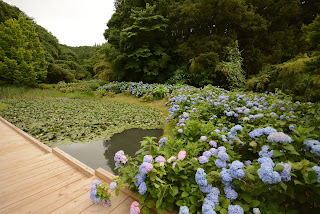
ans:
x=73 y=22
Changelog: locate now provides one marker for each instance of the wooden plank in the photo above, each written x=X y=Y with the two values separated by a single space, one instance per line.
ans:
x=19 y=170
x=31 y=151
x=105 y=175
x=20 y=159
x=124 y=207
x=77 y=205
x=14 y=208
x=37 y=187
x=20 y=149
x=74 y=162
x=12 y=140
x=25 y=183
x=25 y=135
x=31 y=173
x=24 y=163
x=115 y=202
x=56 y=199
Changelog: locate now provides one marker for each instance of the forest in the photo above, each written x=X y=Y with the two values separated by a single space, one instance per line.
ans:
x=262 y=45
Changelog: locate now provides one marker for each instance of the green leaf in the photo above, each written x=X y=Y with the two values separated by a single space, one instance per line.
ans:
x=193 y=199
x=117 y=192
x=298 y=182
x=145 y=210
x=278 y=168
x=152 y=176
x=150 y=203
x=159 y=202
x=277 y=153
x=283 y=185
x=179 y=203
x=255 y=203
x=184 y=194
x=225 y=203
x=174 y=191
x=223 y=211
x=290 y=148
x=156 y=185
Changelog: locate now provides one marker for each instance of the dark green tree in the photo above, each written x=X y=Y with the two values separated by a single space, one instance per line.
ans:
x=22 y=59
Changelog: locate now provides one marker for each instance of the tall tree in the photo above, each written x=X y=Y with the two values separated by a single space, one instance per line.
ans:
x=22 y=59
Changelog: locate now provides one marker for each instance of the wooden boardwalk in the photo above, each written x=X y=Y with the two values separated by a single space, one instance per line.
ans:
x=37 y=179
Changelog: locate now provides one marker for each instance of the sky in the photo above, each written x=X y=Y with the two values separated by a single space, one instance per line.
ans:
x=73 y=22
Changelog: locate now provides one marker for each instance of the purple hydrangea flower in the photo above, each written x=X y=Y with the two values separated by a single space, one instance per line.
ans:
x=207 y=154
x=180 y=131
x=213 y=143
x=147 y=158
x=203 y=138
x=203 y=159
x=160 y=159
x=118 y=155
x=145 y=168
x=247 y=162
x=213 y=151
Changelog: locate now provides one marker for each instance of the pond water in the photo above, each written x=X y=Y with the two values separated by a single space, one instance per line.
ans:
x=101 y=153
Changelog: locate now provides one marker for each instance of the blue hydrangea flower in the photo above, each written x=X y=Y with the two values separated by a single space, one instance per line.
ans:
x=203 y=159
x=256 y=133
x=142 y=188
x=268 y=130
x=222 y=155
x=265 y=153
x=225 y=176
x=235 y=209
x=230 y=193
x=236 y=169
x=317 y=170
x=279 y=137
x=220 y=163
x=201 y=177
x=213 y=151
x=140 y=178
x=291 y=127
x=285 y=174
x=205 y=188
x=113 y=185
x=184 y=210
x=207 y=154
x=267 y=175
x=208 y=207
x=247 y=162
x=97 y=199
x=267 y=160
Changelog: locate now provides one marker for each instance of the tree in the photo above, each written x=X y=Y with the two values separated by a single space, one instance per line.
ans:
x=22 y=59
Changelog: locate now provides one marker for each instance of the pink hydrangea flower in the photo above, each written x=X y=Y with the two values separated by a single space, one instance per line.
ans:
x=174 y=164
x=180 y=131
x=106 y=203
x=182 y=155
x=291 y=112
x=123 y=159
x=160 y=159
x=134 y=208
x=213 y=143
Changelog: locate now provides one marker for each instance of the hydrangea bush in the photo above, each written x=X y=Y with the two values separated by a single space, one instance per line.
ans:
x=231 y=152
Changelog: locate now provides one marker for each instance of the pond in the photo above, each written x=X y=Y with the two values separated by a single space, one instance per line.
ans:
x=100 y=153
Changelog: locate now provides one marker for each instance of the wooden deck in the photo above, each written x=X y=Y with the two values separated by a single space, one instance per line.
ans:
x=37 y=179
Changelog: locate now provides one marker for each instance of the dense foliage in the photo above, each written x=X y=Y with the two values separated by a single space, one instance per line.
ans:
x=80 y=120
x=156 y=40
x=63 y=63
x=298 y=76
x=22 y=59
x=231 y=152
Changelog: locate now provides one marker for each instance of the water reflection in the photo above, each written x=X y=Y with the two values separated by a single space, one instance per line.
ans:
x=101 y=153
